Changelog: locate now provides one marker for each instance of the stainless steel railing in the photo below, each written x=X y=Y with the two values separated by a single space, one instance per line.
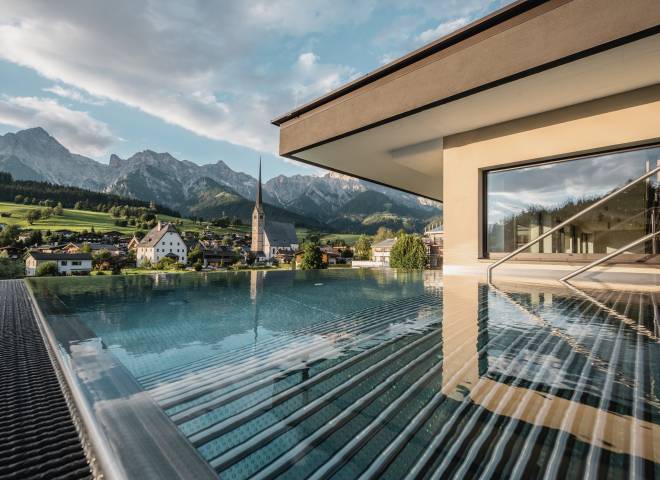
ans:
x=569 y=220
x=609 y=256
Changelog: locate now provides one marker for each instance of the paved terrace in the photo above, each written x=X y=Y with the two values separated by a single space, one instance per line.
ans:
x=39 y=438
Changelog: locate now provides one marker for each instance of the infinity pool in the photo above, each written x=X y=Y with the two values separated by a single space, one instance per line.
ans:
x=382 y=374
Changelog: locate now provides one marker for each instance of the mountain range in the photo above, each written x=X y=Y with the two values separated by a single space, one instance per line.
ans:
x=330 y=202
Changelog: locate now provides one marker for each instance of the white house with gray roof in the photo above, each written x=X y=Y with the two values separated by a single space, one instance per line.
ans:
x=269 y=238
x=162 y=241
x=67 y=263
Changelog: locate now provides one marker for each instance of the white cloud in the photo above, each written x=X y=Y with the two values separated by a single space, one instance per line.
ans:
x=313 y=78
x=222 y=70
x=76 y=130
x=441 y=30
x=198 y=65
x=74 y=95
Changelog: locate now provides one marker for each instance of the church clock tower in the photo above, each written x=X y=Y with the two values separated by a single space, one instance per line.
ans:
x=258 y=219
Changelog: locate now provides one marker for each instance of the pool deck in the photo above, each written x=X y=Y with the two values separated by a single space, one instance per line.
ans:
x=39 y=436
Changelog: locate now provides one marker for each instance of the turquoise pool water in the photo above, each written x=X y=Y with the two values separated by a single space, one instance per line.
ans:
x=383 y=374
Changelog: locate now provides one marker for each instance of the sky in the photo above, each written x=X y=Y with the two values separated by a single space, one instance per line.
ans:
x=198 y=79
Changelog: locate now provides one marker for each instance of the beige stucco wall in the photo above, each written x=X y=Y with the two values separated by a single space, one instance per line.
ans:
x=621 y=120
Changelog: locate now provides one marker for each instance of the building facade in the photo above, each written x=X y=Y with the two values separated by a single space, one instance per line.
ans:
x=514 y=128
x=380 y=252
x=162 y=241
x=67 y=263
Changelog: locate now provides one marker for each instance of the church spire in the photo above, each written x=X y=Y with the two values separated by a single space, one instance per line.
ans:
x=258 y=203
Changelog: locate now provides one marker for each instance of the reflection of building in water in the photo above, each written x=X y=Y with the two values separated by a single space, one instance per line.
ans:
x=256 y=287
x=551 y=379
x=256 y=283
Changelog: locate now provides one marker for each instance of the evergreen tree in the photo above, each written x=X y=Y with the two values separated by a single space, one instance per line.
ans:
x=408 y=252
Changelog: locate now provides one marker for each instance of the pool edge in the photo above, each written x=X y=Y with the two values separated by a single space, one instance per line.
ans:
x=103 y=460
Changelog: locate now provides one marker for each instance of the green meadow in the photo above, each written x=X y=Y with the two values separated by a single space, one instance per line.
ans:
x=78 y=220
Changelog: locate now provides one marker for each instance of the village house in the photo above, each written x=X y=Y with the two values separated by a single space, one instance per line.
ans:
x=162 y=241
x=217 y=256
x=380 y=252
x=67 y=263
x=133 y=244
x=269 y=238
x=328 y=256
x=94 y=247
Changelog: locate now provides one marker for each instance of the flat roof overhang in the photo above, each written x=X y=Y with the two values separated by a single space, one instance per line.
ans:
x=389 y=127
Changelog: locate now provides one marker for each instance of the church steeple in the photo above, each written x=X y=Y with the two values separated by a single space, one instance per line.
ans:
x=258 y=202
x=258 y=219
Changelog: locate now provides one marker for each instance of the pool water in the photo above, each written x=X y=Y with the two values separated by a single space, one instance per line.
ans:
x=385 y=374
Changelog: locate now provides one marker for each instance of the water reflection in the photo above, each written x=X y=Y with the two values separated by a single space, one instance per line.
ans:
x=389 y=374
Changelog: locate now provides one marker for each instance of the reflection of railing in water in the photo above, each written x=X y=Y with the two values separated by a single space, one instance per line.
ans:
x=569 y=221
x=599 y=363
x=640 y=329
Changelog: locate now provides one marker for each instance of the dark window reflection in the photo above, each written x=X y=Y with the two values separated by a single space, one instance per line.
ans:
x=523 y=203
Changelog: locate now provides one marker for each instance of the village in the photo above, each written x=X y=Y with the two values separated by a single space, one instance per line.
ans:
x=166 y=247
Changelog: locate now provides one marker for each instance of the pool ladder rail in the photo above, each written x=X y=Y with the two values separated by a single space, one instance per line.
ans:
x=561 y=225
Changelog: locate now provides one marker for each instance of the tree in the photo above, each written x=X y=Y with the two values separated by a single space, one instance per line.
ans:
x=47 y=269
x=195 y=255
x=362 y=249
x=9 y=235
x=408 y=252
x=10 y=268
x=312 y=258
x=33 y=216
x=35 y=238
x=78 y=205
x=102 y=260
x=383 y=233
x=59 y=209
x=86 y=248
x=166 y=263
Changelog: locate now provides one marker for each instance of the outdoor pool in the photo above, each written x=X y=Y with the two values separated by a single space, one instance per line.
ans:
x=380 y=374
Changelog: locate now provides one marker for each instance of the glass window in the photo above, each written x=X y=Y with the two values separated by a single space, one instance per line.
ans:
x=522 y=203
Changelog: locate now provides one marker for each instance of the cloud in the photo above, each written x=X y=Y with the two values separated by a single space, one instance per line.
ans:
x=313 y=78
x=222 y=70
x=74 y=95
x=204 y=66
x=76 y=130
x=441 y=30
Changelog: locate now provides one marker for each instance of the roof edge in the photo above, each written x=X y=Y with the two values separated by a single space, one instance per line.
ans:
x=501 y=15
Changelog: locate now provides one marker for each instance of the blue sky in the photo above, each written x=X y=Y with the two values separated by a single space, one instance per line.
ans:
x=198 y=79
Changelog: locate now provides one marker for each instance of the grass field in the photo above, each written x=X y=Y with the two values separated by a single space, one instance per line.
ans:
x=78 y=220
x=349 y=238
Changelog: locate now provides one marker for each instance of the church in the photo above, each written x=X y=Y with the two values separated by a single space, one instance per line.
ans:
x=270 y=238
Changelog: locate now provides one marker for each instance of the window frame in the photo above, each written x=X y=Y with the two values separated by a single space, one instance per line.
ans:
x=483 y=253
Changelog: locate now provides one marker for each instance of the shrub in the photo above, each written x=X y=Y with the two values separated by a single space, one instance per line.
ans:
x=145 y=264
x=197 y=266
x=311 y=258
x=408 y=252
x=10 y=268
x=47 y=269
x=166 y=264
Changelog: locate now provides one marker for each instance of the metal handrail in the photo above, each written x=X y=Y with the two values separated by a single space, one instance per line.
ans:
x=608 y=256
x=570 y=220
